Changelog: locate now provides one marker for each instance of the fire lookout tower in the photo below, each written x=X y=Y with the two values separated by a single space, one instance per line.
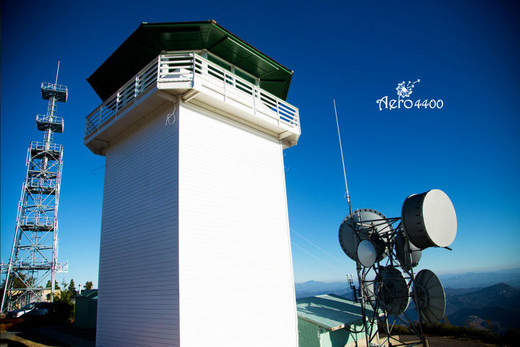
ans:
x=195 y=228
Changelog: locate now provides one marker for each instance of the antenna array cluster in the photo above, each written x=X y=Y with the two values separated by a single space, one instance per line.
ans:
x=386 y=251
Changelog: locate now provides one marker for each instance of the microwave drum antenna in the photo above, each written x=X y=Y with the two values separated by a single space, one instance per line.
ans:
x=363 y=224
x=429 y=219
x=429 y=296
x=407 y=254
x=392 y=291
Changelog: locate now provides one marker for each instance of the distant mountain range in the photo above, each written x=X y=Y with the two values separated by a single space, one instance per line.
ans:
x=461 y=281
x=497 y=307
x=481 y=279
x=313 y=288
x=472 y=299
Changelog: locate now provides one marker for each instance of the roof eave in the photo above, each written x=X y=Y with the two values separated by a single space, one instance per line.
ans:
x=144 y=44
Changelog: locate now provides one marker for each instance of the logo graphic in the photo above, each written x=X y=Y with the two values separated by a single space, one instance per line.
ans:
x=404 y=90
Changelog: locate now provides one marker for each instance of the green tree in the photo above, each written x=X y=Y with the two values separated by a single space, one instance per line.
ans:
x=72 y=288
x=88 y=285
x=64 y=285
x=63 y=303
x=63 y=312
x=56 y=285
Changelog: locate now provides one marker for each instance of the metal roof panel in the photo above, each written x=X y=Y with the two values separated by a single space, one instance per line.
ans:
x=329 y=311
x=150 y=39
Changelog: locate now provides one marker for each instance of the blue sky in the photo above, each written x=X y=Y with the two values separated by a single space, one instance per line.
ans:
x=464 y=52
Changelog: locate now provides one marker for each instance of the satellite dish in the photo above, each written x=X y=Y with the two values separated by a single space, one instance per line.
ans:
x=393 y=293
x=407 y=254
x=367 y=253
x=363 y=224
x=429 y=296
x=429 y=219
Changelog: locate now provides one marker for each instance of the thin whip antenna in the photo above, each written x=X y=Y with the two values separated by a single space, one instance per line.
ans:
x=57 y=72
x=342 y=159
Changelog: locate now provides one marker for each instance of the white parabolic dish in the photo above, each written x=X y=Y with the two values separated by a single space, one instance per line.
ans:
x=429 y=219
x=439 y=217
x=367 y=253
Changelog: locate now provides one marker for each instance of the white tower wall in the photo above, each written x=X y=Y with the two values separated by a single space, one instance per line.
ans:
x=195 y=245
x=138 y=274
x=234 y=255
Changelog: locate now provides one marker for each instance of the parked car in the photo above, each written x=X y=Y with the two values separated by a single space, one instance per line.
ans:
x=34 y=309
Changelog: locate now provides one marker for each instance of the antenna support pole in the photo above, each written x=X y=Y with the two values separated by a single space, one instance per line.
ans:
x=342 y=159
x=57 y=72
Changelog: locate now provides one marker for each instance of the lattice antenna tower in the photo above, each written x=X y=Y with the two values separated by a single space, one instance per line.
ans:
x=31 y=271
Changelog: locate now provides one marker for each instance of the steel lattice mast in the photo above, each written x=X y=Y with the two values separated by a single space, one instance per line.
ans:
x=34 y=254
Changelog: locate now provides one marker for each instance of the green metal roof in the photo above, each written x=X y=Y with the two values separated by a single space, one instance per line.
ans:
x=89 y=293
x=330 y=311
x=150 y=39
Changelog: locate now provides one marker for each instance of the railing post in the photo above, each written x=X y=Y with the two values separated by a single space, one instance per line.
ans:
x=193 y=69
x=159 y=62
x=158 y=69
x=136 y=86
x=278 y=110
x=205 y=70
x=118 y=99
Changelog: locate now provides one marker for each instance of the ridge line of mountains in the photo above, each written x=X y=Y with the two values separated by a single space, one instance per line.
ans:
x=484 y=300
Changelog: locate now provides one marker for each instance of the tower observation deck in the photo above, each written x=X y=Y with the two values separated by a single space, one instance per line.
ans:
x=30 y=273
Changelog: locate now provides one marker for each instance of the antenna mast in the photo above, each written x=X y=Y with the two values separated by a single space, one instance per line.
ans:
x=342 y=159
x=57 y=72
x=34 y=256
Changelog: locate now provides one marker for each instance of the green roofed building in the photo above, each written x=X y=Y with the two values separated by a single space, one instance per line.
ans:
x=85 y=312
x=331 y=321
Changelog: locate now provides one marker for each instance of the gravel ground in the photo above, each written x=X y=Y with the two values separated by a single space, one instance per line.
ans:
x=69 y=336
x=439 y=341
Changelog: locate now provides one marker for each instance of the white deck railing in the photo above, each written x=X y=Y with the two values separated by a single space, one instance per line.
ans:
x=37 y=222
x=39 y=183
x=54 y=86
x=48 y=119
x=176 y=70
x=40 y=146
